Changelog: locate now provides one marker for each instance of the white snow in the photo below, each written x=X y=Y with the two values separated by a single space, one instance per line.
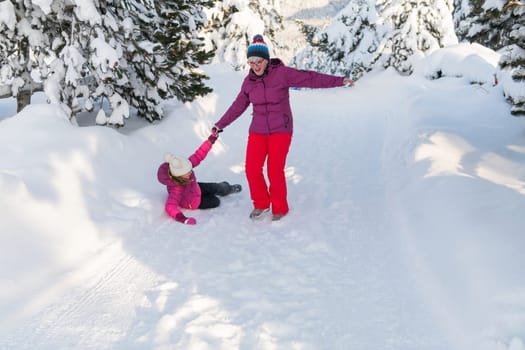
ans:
x=405 y=231
x=86 y=11
x=7 y=15
x=473 y=62
x=45 y=5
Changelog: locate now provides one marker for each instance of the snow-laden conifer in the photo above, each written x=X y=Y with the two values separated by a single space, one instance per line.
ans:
x=23 y=50
x=371 y=34
x=104 y=55
x=232 y=25
x=163 y=53
x=349 y=46
x=499 y=25
x=512 y=60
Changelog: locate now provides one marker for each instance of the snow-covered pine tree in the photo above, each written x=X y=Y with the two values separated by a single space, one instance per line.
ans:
x=314 y=56
x=22 y=50
x=512 y=60
x=499 y=25
x=349 y=46
x=419 y=28
x=88 y=60
x=67 y=52
x=386 y=33
x=485 y=23
x=232 y=25
x=143 y=52
x=163 y=53
x=105 y=52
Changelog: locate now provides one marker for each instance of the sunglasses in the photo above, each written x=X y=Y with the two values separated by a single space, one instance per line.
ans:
x=255 y=61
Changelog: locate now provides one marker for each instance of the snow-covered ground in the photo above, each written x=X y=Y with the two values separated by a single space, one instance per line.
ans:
x=406 y=227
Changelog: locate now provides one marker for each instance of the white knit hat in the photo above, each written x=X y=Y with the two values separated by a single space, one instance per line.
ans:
x=178 y=166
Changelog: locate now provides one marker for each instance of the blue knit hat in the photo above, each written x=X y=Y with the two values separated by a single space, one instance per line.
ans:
x=258 y=48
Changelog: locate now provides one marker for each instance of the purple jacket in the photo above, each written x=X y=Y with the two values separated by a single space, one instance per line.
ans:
x=270 y=98
x=184 y=196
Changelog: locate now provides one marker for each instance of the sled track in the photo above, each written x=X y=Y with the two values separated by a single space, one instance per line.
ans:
x=96 y=296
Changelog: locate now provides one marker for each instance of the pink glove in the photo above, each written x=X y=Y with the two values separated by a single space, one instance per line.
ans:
x=183 y=219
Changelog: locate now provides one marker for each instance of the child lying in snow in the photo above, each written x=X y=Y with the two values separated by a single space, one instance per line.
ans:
x=183 y=189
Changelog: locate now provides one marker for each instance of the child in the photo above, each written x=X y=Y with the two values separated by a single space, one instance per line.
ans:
x=183 y=189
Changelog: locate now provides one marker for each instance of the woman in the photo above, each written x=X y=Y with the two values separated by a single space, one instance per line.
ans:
x=266 y=87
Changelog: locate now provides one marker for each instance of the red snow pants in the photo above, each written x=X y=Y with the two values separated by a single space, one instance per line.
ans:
x=273 y=149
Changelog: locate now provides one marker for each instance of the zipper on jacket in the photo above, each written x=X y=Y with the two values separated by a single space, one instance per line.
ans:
x=286 y=120
x=266 y=106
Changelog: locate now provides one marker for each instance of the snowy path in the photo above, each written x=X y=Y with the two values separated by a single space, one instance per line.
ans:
x=352 y=266
x=288 y=285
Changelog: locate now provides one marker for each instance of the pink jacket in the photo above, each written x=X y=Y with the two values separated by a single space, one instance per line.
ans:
x=270 y=98
x=183 y=196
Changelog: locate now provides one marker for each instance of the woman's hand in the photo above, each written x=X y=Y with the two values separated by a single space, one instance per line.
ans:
x=215 y=131
x=348 y=82
x=214 y=134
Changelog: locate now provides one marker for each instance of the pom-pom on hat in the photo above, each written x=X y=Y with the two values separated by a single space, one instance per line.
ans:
x=178 y=166
x=258 y=48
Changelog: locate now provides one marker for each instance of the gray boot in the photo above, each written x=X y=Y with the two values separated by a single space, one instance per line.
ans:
x=224 y=188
